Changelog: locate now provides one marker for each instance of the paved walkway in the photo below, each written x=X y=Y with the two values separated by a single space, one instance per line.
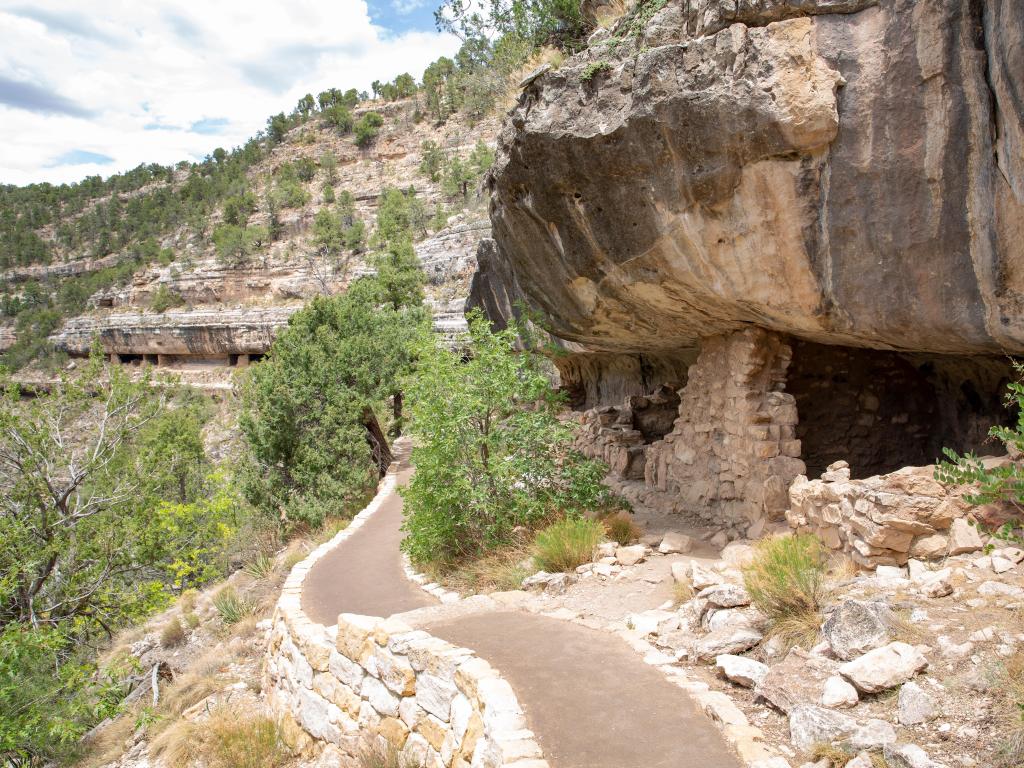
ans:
x=364 y=575
x=589 y=699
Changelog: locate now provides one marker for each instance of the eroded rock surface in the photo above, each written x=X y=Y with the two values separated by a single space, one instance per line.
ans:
x=826 y=169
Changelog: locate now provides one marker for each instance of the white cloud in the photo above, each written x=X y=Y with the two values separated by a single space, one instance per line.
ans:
x=168 y=80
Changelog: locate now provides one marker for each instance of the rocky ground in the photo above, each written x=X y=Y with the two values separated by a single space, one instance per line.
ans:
x=905 y=665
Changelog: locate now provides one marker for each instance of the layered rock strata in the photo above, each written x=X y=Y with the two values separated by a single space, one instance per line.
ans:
x=842 y=173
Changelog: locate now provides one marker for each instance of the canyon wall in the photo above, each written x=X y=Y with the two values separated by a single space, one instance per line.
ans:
x=843 y=176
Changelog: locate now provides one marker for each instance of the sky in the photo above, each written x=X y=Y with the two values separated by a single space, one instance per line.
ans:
x=100 y=87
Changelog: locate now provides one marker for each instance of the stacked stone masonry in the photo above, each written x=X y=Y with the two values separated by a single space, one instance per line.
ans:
x=881 y=520
x=372 y=678
x=732 y=451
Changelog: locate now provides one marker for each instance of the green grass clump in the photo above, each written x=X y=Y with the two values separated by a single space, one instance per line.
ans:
x=567 y=544
x=785 y=582
x=231 y=607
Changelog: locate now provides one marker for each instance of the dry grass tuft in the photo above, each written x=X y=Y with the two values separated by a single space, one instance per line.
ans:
x=785 y=582
x=229 y=738
x=173 y=634
x=620 y=528
x=380 y=754
x=1008 y=688
x=187 y=601
x=497 y=571
x=107 y=744
x=835 y=756
x=682 y=592
x=567 y=544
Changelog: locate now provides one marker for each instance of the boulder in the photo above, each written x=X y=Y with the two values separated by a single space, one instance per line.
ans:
x=701 y=577
x=861 y=760
x=675 y=543
x=738 y=554
x=856 y=626
x=873 y=734
x=914 y=705
x=884 y=667
x=725 y=595
x=810 y=725
x=741 y=670
x=838 y=693
x=727 y=641
x=963 y=537
x=680 y=573
x=631 y=555
x=908 y=756
x=797 y=679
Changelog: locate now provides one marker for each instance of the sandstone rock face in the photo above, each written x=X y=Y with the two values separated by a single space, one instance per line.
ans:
x=796 y=165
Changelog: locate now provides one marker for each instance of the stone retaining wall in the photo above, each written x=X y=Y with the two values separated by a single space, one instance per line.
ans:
x=881 y=520
x=375 y=678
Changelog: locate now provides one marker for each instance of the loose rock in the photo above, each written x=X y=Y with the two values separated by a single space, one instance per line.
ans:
x=855 y=627
x=741 y=670
x=797 y=679
x=839 y=693
x=963 y=537
x=675 y=543
x=725 y=595
x=915 y=706
x=810 y=725
x=908 y=756
x=727 y=642
x=884 y=667
x=631 y=555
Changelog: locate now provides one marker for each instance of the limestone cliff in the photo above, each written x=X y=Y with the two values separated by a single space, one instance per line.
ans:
x=845 y=171
x=821 y=202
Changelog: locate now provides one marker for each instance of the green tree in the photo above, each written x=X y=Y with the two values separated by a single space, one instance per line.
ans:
x=236 y=244
x=309 y=410
x=79 y=470
x=367 y=128
x=490 y=452
x=306 y=105
x=338 y=116
x=432 y=160
x=405 y=85
x=277 y=127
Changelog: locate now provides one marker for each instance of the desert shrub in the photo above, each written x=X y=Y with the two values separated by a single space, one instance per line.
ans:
x=260 y=566
x=164 y=298
x=566 y=544
x=367 y=128
x=190 y=619
x=305 y=168
x=173 y=634
x=500 y=570
x=620 y=528
x=490 y=452
x=999 y=484
x=229 y=738
x=231 y=607
x=785 y=581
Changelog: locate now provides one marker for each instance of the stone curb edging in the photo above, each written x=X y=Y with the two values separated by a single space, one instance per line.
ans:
x=439 y=705
x=446 y=596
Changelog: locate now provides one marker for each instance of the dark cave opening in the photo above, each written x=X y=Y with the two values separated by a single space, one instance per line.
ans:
x=881 y=410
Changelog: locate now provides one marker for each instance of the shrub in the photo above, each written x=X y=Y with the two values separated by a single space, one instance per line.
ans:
x=592 y=69
x=490 y=452
x=190 y=619
x=231 y=607
x=620 y=528
x=784 y=581
x=999 y=484
x=173 y=634
x=367 y=128
x=569 y=543
x=261 y=566
x=305 y=168
x=164 y=298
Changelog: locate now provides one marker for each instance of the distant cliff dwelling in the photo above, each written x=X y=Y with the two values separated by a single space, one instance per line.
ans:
x=759 y=410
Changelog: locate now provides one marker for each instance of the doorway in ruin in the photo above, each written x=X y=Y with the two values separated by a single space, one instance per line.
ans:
x=881 y=410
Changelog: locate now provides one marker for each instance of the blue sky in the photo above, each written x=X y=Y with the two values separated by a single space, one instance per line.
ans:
x=100 y=87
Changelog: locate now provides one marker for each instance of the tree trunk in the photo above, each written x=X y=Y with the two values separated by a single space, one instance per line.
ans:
x=378 y=442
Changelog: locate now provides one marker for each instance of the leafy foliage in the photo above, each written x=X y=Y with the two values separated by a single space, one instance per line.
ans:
x=306 y=407
x=999 y=484
x=490 y=453
x=367 y=128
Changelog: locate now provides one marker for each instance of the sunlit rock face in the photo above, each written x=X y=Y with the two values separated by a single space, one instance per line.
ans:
x=846 y=172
